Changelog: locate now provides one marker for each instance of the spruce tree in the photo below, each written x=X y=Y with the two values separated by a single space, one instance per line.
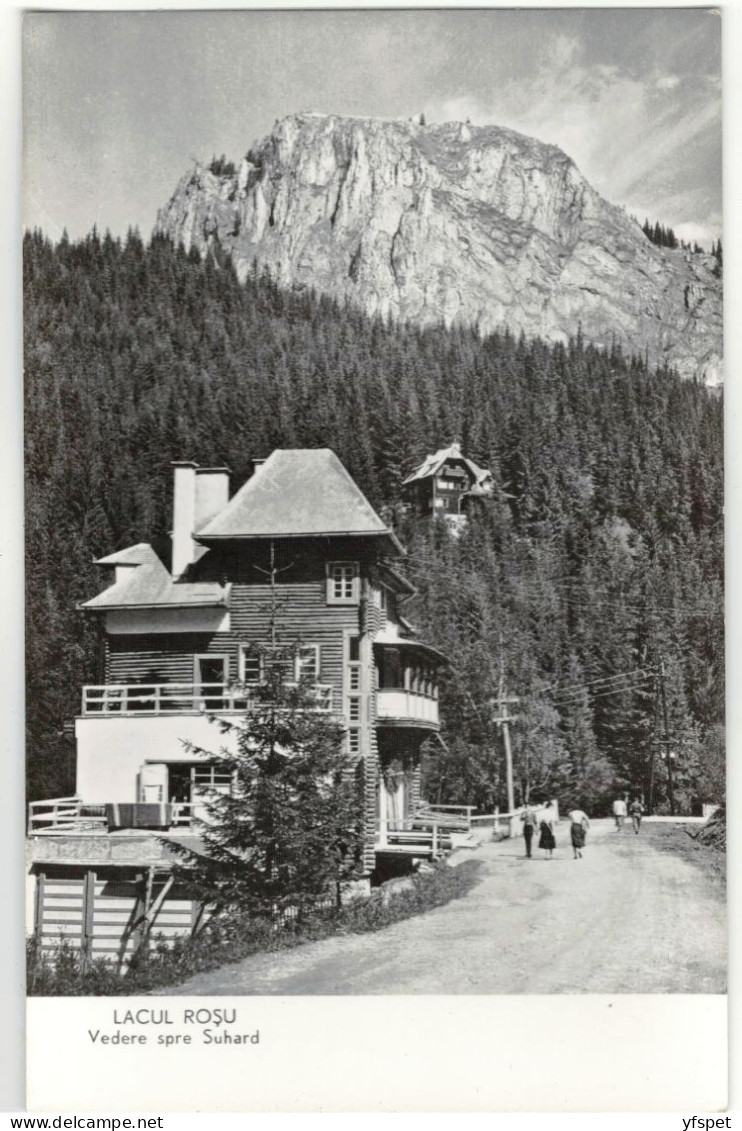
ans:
x=288 y=834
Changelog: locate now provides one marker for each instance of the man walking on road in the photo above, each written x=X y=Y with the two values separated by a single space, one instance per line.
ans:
x=636 y=811
x=579 y=824
x=528 y=817
x=619 y=812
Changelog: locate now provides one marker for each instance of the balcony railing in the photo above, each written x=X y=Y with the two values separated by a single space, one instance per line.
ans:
x=72 y=814
x=180 y=698
x=408 y=706
x=428 y=831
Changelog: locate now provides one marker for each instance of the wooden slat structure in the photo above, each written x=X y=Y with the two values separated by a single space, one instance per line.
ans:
x=103 y=913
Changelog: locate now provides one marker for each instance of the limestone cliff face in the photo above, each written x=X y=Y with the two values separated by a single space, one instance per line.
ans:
x=453 y=222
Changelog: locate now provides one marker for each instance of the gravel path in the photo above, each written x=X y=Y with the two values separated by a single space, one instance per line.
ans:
x=626 y=918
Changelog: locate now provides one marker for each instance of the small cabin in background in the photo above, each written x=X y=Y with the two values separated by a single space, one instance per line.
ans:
x=445 y=484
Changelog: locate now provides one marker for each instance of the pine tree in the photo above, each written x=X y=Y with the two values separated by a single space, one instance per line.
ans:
x=288 y=834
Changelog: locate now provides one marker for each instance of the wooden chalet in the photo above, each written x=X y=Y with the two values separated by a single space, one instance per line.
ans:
x=178 y=644
x=446 y=483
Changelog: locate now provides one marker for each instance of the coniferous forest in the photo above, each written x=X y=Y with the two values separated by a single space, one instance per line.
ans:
x=590 y=587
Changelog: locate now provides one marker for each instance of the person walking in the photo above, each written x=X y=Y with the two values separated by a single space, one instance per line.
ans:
x=579 y=823
x=619 y=812
x=530 y=821
x=636 y=811
x=547 y=840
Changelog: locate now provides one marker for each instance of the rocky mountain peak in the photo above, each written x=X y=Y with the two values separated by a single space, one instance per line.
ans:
x=474 y=225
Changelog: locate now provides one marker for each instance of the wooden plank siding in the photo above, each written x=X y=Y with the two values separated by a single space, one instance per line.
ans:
x=100 y=912
x=304 y=617
x=60 y=908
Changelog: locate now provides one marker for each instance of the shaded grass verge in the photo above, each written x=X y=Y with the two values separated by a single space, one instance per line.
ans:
x=710 y=858
x=229 y=939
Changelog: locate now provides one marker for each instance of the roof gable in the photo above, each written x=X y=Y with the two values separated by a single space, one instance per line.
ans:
x=432 y=464
x=300 y=492
x=150 y=585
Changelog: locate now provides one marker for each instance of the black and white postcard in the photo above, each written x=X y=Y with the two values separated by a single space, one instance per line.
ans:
x=374 y=466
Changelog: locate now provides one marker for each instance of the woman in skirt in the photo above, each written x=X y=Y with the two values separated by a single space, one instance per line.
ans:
x=547 y=840
x=578 y=826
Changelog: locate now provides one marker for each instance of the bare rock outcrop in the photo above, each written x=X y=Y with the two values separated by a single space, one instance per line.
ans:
x=456 y=223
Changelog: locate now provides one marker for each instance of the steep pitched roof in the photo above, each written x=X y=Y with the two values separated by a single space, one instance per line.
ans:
x=302 y=492
x=431 y=465
x=150 y=585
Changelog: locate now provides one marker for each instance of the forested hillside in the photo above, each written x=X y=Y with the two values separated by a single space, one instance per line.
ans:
x=599 y=557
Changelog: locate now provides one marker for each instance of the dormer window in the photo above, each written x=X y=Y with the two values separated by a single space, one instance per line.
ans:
x=343 y=583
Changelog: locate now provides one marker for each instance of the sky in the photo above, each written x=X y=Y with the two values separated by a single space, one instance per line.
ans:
x=117 y=106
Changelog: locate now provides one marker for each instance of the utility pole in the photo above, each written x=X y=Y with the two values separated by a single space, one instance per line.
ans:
x=666 y=742
x=505 y=724
x=504 y=719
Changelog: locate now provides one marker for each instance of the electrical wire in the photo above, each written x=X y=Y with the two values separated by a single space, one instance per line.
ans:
x=580 y=684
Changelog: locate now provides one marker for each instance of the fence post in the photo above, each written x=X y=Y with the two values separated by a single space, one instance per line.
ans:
x=88 y=912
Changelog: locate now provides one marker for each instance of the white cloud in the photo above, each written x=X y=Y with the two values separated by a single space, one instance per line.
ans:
x=667 y=82
x=630 y=136
x=696 y=233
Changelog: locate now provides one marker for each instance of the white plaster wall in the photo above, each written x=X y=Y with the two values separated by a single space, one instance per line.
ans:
x=111 y=751
x=147 y=621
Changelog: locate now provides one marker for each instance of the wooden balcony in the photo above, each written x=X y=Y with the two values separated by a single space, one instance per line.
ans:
x=180 y=698
x=60 y=815
x=399 y=707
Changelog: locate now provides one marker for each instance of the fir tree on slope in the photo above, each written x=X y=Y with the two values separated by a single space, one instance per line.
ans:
x=288 y=834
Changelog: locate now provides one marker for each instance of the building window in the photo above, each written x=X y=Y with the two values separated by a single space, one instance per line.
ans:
x=211 y=676
x=343 y=583
x=255 y=666
x=391 y=671
x=250 y=666
x=307 y=663
x=212 y=776
x=353 y=699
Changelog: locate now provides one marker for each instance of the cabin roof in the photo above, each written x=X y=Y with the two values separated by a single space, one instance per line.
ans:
x=141 y=554
x=304 y=492
x=399 y=583
x=150 y=585
x=390 y=637
x=431 y=465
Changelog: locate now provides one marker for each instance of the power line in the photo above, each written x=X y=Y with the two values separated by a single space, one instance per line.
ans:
x=637 y=689
x=556 y=687
x=603 y=689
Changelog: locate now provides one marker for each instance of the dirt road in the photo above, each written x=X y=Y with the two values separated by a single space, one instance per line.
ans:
x=627 y=918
